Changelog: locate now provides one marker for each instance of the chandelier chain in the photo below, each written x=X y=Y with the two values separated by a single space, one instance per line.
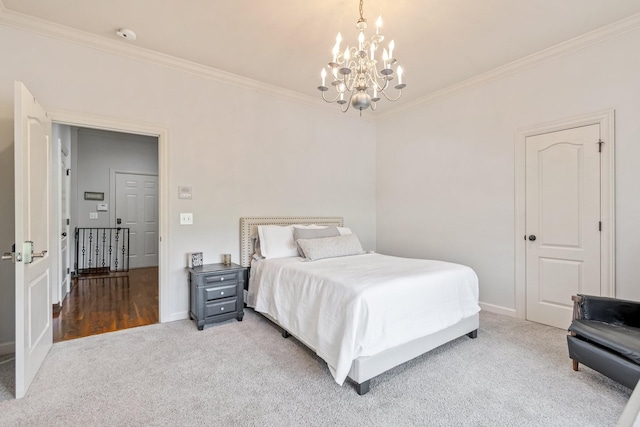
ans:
x=362 y=12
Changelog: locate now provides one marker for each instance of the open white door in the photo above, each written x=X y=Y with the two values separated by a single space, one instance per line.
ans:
x=33 y=223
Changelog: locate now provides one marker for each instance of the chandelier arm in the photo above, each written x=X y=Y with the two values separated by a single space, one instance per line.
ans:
x=330 y=100
x=349 y=82
x=393 y=99
x=345 y=109
x=373 y=79
x=384 y=87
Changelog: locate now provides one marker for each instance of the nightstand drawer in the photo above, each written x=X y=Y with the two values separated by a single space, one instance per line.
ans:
x=218 y=292
x=219 y=278
x=222 y=307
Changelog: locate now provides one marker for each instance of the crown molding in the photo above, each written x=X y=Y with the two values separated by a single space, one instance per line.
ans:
x=82 y=38
x=572 y=45
x=61 y=32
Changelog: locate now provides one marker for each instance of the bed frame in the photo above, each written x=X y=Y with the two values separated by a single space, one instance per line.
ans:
x=363 y=369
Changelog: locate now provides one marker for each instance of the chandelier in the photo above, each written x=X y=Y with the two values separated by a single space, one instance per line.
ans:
x=357 y=77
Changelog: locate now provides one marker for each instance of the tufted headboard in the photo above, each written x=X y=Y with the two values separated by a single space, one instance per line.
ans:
x=249 y=227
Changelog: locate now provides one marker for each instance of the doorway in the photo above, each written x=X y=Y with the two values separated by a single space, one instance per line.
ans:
x=564 y=216
x=110 y=300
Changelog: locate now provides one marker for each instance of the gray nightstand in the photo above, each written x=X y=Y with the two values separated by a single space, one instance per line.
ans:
x=216 y=293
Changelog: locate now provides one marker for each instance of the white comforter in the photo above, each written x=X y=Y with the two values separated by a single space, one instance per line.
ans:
x=361 y=305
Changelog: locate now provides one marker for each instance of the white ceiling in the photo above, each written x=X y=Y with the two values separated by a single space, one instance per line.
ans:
x=286 y=43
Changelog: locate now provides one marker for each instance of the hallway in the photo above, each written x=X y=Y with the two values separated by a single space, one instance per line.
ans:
x=107 y=303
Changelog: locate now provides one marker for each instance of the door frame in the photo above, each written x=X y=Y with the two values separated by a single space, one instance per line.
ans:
x=607 y=203
x=124 y=126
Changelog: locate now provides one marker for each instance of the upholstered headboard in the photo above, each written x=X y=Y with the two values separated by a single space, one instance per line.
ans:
x=249 y=227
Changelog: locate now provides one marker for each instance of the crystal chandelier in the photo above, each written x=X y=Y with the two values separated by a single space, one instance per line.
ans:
x=358 y=78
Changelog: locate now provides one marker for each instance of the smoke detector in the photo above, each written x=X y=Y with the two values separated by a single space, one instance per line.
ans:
x=126 y=33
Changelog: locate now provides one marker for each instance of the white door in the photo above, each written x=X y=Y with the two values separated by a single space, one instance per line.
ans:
x=562 y=222
x=33 y=223
x=137 y=209
x=65 y=279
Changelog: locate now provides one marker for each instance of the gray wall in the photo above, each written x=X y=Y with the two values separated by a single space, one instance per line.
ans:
x=98 y=152
x=244 y=152
x=446 y=169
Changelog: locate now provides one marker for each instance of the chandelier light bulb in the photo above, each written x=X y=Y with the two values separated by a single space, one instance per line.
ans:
x=358 y=78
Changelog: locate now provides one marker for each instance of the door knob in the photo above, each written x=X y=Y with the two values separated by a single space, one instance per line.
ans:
x=64 y=234
x=13 y=256
x=532 y=237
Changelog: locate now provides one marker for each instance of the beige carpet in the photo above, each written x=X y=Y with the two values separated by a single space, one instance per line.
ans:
x=246 y=374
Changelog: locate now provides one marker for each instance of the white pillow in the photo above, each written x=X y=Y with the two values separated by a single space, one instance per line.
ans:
x=276 y=241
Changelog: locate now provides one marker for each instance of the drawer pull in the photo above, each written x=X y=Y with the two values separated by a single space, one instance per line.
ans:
x=222 y=279
x=221 y=292
x=221 y=308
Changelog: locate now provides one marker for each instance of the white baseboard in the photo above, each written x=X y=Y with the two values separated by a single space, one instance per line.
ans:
x=179 y=315
x=7 y=347
x=491 y=308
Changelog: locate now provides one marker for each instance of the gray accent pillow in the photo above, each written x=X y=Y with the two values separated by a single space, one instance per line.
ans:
x=330 y=247
x=313 y=233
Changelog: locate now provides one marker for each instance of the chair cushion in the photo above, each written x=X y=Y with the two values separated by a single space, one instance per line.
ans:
x=624 y=340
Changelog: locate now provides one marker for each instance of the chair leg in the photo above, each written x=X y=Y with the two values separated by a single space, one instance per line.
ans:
x=575 y=364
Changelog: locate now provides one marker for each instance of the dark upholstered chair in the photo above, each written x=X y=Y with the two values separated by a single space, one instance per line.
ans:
x=605 y=336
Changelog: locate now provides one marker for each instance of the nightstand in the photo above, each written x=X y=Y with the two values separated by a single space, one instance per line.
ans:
x=216 y=293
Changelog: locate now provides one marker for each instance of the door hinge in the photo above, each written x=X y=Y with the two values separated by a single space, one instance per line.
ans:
x=599 y=225
x=600 y=142
x=68 y=271
x=68 y=172
x=67 y=221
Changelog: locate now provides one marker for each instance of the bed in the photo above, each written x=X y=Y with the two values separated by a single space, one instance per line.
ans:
x=357 y=312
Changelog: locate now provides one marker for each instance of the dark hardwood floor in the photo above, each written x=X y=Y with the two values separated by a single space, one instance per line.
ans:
x=107 y=303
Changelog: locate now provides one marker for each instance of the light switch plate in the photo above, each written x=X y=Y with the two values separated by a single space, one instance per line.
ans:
x=186 y=219
x=93 y=215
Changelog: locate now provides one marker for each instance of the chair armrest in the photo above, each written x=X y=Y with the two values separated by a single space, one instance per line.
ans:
x=608 y=310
